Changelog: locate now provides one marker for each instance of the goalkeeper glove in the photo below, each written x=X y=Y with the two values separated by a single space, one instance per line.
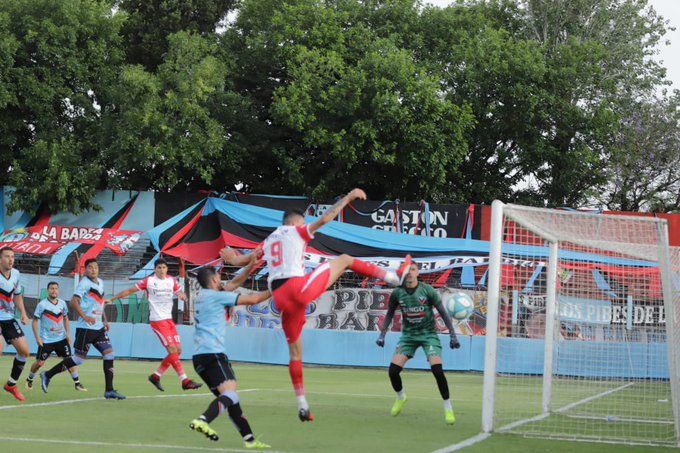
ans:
x=454 y=342
x=380 y=341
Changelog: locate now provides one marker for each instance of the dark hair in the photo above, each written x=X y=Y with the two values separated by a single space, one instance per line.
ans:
x=90 y=260
x=52 y=283
x=289 y=213
x=204 y=276
x=160 y=261
x=6 y=248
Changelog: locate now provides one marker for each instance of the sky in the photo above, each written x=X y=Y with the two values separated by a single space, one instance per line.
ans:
x=668 y=54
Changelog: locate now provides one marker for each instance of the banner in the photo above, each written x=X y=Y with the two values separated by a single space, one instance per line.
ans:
x=48 y=239
x=444 y=220
x=604 y=312
x=360 y=310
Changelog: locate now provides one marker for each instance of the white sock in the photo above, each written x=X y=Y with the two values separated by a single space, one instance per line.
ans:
x=182 y=377
x=447 y=405
x=401 y=394
x=302 y=402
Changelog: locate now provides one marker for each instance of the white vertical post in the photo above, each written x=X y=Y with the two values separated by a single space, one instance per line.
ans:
x=550 y=310
x=492 y=299
x=670 y=298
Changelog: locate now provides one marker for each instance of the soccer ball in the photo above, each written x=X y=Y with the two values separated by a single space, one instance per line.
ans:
x=459 y=305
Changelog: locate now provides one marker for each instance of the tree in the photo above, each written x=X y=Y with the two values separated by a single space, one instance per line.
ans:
x=64 y=55
x=340 y=103
x=644 y=170
x=599 y=54
x=159 y=133
x=150 y=22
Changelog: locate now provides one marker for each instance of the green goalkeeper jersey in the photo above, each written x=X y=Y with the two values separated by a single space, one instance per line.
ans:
x=416 y=308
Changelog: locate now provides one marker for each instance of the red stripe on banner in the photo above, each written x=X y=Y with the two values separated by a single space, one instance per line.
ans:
x=197 y=252
x=233 y=240
x=96 y=249
x=485 y=233
x=182 y=231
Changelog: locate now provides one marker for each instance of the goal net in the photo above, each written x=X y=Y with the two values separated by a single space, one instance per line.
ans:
x=583 y=342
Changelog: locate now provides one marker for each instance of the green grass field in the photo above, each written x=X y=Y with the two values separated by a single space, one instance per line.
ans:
x=351 y=407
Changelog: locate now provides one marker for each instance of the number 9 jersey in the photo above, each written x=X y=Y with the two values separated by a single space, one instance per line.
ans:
x=284 y=251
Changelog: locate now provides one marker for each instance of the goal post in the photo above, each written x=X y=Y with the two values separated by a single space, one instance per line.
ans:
x=582 y=327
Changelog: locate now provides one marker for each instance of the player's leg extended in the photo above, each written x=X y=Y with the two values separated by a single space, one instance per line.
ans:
x=81 y=345
x=226 y=399
x=167 y=334
x=21 y=346
x=433 y=351
x=394 y=372
x=344 y=262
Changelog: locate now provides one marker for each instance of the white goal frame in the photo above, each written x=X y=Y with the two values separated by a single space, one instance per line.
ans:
x=664 y=258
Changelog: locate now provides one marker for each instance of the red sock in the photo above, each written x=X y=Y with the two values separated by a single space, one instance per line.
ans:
x=367 y=269
x=165 y=364
x=295 y=370
x=177 y=365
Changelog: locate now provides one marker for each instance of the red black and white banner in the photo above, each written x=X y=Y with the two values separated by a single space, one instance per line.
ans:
x=48 y=239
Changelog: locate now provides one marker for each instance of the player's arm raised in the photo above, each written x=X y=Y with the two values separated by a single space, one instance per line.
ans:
x=330 y=214
x=237 y=281
x=124 y=293
x=437 y=303
x=229 y=256
x=394 y=302
x=253 y=298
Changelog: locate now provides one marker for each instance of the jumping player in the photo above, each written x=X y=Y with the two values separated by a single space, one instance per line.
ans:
x=160 y=288
x=416 y=301
x=91 y=330
x=292 y=290
x=52 y=314
x=11 y=294
x=210 y=359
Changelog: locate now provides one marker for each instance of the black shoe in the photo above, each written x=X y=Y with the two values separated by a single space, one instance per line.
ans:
x=156 y=381
x=305 y=415
x=190 y=385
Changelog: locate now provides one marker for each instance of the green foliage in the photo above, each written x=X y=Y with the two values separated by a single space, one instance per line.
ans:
x=535 y=101
x=63 y=56
x=151 y=22
x=160 y=134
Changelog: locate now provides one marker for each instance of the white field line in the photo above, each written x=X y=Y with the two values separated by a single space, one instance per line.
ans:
x=101 y=398
x=483 y=436
x=115 y=444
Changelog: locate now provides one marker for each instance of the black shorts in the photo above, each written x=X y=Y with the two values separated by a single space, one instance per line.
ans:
x=61 y=348
x=214 y=369
x=11 y=330
x=86 y=337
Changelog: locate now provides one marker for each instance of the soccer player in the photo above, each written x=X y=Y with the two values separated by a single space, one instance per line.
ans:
x=210 y=360
x=416 y=300
x=293 y=291
x=52 y=313
x=160 y=288
x=91 y=327
x=11 y=294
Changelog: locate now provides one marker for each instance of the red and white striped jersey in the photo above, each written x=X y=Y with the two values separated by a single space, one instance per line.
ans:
x=284 y=251
x=160 y=293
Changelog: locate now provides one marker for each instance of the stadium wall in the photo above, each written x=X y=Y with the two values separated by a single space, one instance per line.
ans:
x=346 y=348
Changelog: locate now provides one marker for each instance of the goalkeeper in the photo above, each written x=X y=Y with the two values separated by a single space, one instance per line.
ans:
x=418 y=329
